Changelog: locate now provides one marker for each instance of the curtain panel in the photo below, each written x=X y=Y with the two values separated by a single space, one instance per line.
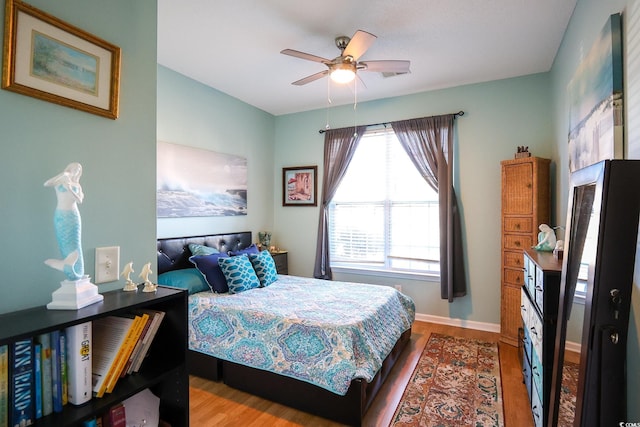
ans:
x=339 y=146
x=429 y=143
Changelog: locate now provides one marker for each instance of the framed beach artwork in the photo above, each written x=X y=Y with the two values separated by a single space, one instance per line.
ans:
x=299 y=186
x=595 y=97
x=194 y=182
x=52 y=60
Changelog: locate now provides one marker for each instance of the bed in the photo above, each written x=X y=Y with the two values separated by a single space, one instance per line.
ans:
x=322 y=355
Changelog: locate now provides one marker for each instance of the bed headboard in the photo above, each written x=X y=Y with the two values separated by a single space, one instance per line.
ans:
x=174 y=253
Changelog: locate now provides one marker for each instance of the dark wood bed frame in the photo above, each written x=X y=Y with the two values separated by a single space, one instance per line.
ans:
x=173 y=254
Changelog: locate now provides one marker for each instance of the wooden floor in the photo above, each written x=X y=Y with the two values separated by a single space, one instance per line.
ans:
x=215 y=404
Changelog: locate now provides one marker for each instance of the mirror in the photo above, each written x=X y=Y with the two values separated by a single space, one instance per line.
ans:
x=597 y=276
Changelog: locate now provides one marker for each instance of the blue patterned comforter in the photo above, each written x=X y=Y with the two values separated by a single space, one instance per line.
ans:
x=323 y=332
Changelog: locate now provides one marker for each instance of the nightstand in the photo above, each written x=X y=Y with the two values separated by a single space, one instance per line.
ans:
x=282 y=262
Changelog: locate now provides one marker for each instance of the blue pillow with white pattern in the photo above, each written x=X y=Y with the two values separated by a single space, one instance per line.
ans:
x=265 y=267
x=239 y=273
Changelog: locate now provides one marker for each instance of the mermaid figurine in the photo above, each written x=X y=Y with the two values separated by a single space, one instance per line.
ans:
x=67 y=221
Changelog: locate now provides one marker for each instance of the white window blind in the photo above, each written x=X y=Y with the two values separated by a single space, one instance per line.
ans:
x=384 y=215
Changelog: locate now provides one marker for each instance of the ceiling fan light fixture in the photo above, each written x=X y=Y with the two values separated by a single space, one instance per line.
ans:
x=343 y=73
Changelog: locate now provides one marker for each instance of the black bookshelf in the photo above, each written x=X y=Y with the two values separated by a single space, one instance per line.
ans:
x=164 y=371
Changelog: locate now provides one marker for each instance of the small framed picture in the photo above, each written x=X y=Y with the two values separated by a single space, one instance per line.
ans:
x=52 y=60
x=299 y=186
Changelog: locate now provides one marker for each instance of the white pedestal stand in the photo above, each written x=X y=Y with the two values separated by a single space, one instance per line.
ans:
x=74 y=294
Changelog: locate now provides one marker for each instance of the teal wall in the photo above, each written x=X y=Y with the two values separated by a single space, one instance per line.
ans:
x=587 y=21
x=190 y=113
x=499 y=116
x=38 y=139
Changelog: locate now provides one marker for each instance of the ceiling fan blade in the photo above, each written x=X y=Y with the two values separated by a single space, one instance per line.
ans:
x=386 y=66
x=306 y=56
x=311 y=78
x=360 y=42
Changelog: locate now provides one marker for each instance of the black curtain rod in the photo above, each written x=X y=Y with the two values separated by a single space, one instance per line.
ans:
x=458 y=114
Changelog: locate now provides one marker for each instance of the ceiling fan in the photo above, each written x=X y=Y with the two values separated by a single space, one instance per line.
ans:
x=343 y=68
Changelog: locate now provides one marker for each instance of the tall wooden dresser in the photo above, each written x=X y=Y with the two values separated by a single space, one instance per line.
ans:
x=525 y=205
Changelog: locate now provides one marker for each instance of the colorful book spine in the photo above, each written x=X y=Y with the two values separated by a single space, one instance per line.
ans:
x=126 y=349
x=148 y=338
x=56 y=374
x=63 y=368
x=115 y=416
x=22 y=383
x=109 y=334
x=37 y=397
x=4 y=385
x=79 y=362
x=47 y=398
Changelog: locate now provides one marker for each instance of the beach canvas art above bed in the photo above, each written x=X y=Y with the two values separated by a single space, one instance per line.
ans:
x=194 y=182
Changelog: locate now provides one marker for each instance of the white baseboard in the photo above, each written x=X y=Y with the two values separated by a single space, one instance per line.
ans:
x=461 y=323
x=480 y=326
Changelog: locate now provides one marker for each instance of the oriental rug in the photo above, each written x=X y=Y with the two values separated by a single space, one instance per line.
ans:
x=568 y=392
x=455 y=383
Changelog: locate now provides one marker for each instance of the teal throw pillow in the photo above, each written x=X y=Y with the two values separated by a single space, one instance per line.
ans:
x=265 y=267
x=189 y=279
x=197 y=249
x=239 y=273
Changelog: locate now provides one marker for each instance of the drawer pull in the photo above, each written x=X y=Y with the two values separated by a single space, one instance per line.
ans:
x=517 y=243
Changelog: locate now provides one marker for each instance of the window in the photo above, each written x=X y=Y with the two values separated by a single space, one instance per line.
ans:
x=384 y=215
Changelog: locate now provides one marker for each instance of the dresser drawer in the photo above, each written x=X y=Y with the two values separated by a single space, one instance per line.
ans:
x=526 y=374
x=535 y=327
x=517 y=241
x=513 y=260
x=514 y=277
x=536 y=373
x=536 y=409
x=518 y=225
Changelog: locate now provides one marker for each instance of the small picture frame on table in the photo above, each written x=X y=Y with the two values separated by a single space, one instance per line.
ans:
x=299 y=186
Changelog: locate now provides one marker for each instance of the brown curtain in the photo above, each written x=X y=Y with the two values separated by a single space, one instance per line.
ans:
x=339 y=146
x=429 y=143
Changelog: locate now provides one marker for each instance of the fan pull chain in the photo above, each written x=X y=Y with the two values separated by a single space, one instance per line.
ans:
x=326 y=126
x=355 y=108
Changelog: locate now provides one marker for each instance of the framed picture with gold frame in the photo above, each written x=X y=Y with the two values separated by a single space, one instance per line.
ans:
x=299 y=186
x=52 y=60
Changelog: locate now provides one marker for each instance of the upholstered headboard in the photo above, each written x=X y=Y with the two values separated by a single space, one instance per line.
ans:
x=174 y=253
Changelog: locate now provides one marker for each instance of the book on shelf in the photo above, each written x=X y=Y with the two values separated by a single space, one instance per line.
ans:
x=79 y=363
x=63 y=368
x=148 y=338
x=109 y=335
x=45 y=366
x=128 y=367
x=21 y=390
x=4 y=385
x=115 y=416
x=56 y=372
x=37 y=379
x=127 y=348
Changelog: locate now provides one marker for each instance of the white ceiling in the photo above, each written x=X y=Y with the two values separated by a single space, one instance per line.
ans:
x=234 y=45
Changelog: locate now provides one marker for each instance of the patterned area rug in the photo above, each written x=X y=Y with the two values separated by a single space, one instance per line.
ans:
x=568 y=392
x=455 y=383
